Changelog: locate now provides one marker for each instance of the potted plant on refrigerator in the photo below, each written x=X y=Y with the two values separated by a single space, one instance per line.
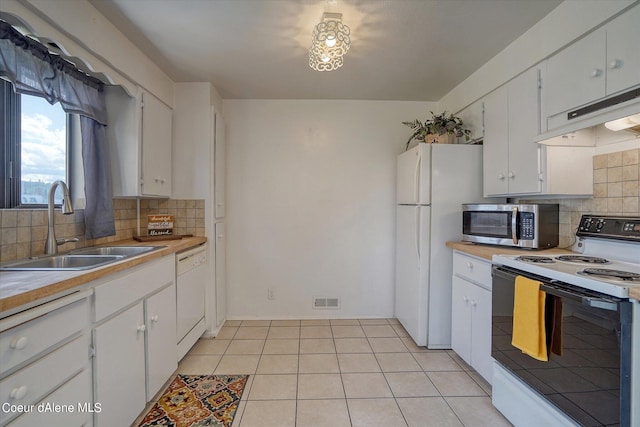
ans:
x=439 y=129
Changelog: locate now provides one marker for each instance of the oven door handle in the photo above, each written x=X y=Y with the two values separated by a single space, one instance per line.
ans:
x=595 y=302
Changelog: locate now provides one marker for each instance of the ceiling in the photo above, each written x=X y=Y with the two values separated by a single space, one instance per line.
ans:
x=258 y=49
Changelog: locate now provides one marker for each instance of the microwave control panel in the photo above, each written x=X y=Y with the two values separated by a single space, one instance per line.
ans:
x=527 y=225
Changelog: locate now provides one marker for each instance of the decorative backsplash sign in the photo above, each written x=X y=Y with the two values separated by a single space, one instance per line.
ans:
x=160 y=225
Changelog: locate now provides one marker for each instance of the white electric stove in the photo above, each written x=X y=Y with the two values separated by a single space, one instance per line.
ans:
x=605 y=257
x=593 y=375
x=609 y=276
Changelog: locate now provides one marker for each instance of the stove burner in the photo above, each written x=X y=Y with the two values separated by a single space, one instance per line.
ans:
x=536 y=259
x=583 y=259
x=614 y=274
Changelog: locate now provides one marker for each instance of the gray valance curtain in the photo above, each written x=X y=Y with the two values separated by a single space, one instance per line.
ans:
x=33 y=70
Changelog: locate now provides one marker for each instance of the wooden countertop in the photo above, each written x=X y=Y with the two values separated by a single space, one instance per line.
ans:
x=488 y=251
x=20 y=288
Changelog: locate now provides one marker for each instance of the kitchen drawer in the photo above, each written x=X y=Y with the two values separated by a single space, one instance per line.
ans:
x=76 y=394
x=30 y=384
x=472 y=269
x=26 y=340
x=133 y=286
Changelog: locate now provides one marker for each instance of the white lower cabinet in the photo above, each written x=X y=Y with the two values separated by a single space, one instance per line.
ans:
x=119 y=367
x=72 y=410
x=134 y=338
x=160 y=317
x=44 y=364
x=471 y=313
x=47 y=376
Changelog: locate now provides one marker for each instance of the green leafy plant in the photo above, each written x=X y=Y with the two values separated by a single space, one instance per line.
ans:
x=438 y=124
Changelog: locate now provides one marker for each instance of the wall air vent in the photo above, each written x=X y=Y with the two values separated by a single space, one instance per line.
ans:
x=609 y=102
x=326 y=303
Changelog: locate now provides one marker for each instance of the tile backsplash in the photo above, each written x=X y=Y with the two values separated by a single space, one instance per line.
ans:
x=23 y=231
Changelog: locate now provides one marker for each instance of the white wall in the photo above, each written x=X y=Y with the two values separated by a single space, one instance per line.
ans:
x=310 y=207
x=192 y=141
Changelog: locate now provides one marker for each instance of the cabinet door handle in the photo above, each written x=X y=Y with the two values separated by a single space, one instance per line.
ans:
x=473 y=303
x=469 y=265
x=154 y=318
x=512 y=174
x=597 y=72
x=501 y=176
x=18 y=343
x=141 y=328
x=18 y=392
x=616 y=64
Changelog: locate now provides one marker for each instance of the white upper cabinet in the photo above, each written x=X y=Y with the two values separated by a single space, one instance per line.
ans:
x=576 y=75
x=513 y=164
x=604 y=62
x=623 y=51
x=512 y=120
x=496 y=143
x=524 y=124
x=156 y=147
x=139 y=135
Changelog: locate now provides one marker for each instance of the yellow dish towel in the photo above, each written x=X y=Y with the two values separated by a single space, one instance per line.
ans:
x=529 y=331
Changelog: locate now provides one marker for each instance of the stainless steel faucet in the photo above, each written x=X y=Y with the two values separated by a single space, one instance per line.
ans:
x=51 y=245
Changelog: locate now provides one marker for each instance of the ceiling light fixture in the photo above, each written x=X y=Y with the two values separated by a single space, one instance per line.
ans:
x=330 y=43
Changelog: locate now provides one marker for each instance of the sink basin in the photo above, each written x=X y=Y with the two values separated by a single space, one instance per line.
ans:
x=126 y=251
x=63 y=262
x=80 y=259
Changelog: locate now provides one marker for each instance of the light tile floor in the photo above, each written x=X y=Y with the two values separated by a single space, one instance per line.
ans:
x=316 y=373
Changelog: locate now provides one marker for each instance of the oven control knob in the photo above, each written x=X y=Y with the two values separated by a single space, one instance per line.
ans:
x=599 y=225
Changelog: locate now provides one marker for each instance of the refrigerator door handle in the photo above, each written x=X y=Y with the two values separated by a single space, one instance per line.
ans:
x=418 y=231
x=416 y=177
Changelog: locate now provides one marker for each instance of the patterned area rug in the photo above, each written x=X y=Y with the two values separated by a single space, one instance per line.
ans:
x=197 y=400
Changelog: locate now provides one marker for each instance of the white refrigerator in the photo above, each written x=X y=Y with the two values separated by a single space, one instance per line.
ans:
x=433 y=181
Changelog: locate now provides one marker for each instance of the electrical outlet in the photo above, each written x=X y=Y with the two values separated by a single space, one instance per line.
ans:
x=271 y=295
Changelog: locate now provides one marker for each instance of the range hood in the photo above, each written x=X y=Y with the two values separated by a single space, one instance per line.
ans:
x=616 y=113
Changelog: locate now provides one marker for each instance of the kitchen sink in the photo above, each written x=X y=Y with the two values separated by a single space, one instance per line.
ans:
x=126 y=251
x=63 y=262
x=79 y=259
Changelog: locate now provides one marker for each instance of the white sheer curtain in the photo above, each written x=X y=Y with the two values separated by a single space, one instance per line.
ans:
x=33 y=70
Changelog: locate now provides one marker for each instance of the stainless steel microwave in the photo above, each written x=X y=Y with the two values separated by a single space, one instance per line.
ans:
x=531 y=226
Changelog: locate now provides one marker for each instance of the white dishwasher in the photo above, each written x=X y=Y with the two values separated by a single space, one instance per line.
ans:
x=191 y=283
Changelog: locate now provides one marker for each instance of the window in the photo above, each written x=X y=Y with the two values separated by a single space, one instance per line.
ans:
x=35 y=147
